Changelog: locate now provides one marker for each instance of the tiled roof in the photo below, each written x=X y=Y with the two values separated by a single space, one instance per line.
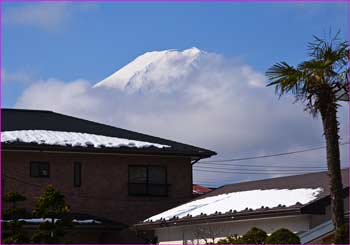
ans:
x=307 y=181
x=18 y=119
x=310 y=180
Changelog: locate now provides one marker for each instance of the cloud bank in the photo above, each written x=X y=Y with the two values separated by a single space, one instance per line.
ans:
x=45 y=16
x=210 y=101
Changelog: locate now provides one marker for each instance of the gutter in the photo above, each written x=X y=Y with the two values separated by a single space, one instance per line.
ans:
x=105 y=151
x=215 y=218
x=195 y=161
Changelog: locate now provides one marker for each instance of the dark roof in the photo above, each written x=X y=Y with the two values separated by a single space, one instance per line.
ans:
x=311 y=180
x=19 y=119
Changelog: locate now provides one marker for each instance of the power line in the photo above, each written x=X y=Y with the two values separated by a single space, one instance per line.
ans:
x=271 y=155
x=268 y=170
x=238 y=172
x=260 y=166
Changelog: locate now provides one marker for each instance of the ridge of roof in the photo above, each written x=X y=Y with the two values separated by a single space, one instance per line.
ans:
x=26 y=110
x=314 y=179
x=314 y=206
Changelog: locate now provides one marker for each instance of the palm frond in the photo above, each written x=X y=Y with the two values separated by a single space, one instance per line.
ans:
x=286 y=78
x=313 y=81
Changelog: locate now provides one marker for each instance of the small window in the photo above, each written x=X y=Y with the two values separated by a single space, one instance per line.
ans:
x=148 y=181
x=39 y=169
x=77 y=174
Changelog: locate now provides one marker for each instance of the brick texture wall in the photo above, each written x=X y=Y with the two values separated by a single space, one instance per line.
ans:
x=104 y=188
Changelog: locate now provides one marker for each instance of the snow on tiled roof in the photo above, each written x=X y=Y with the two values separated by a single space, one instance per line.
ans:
x=42 y=220
x=239 y=201
x=58 y=138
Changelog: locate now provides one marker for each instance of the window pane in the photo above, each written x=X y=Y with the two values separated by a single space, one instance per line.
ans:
x=39 y=169
x=157 y=190
x=156 y=175
x=34 y=169
x=77 y=174
x=137 y=189
x=44 y=170
x=137 y=174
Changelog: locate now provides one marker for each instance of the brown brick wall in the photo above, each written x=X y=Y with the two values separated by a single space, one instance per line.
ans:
x=104 y=189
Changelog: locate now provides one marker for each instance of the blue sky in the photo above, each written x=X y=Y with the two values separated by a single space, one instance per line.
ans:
x=89 y=41
x=92 y=40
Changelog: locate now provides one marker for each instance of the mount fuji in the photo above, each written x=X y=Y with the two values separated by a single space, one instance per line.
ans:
x=156 y=70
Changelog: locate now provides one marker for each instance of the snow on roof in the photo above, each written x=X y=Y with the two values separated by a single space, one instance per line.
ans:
x=239 y=201
x=42 y=220
x=58 y=138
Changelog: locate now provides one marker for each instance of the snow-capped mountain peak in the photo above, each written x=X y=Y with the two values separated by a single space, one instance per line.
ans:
x=153 y=69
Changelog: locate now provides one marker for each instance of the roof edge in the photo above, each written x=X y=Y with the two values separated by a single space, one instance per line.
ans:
x=207 y=153
x=216 y=218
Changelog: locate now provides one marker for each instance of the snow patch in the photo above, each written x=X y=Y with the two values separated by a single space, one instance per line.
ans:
x=239 y=201
x=58 y=138
x=42 y=220
x=38 y=220
x=86 y=221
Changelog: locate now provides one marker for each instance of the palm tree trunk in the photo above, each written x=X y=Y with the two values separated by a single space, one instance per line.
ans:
x=328 y=111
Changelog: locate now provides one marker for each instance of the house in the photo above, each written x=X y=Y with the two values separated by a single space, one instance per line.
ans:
x=298 y=203
x=105 y=172
x=200 y=190
x=321 y=234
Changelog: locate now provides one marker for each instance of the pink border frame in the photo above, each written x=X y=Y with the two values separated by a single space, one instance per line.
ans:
x=256 y=1
x=241 y=1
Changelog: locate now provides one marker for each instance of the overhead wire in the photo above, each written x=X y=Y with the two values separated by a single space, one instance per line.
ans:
x=268 y=170
x=239 y=172
x=276 y=165
x=269 y=155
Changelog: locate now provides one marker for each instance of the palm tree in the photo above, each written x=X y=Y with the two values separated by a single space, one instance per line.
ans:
x=315 y=82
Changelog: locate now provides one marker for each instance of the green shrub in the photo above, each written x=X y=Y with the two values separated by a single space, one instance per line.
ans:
x=282 y=236
x=51 y=204
x=15 y=239
x=235 y=239
x=14 y=197
x=258 y=236
x=12 y=230
x=254 y=236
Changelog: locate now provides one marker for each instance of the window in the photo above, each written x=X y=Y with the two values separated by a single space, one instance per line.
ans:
x=148 y=181
x=77 y=174
x=39 y=169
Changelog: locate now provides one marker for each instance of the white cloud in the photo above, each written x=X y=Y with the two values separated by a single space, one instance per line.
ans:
x=221 y=105
x=47 y=16
x=53 y=94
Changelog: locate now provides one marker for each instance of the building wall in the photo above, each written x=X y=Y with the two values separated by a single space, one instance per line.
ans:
x=319 y=219
x=104 y=189
x=194 y=234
